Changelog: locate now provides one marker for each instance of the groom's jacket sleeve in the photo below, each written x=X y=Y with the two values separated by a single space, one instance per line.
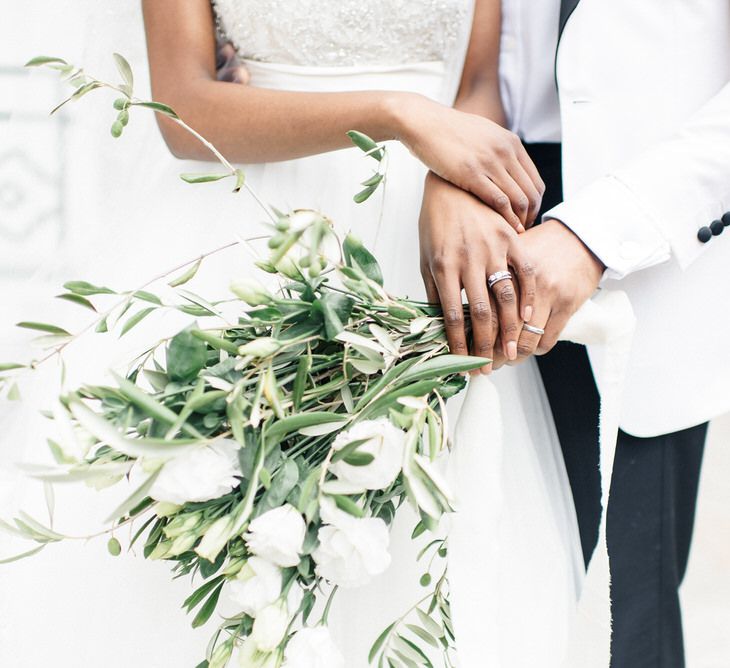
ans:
x=653 y=206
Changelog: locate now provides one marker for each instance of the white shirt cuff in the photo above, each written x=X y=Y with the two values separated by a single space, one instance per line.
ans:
x=608 y=219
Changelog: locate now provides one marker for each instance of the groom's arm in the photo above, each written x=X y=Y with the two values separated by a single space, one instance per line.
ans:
x=652 y=207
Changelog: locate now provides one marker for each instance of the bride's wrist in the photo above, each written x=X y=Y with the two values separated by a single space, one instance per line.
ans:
x=399 y=111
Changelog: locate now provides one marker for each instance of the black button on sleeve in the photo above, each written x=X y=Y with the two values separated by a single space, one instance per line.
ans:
x=726 y=219
x=717 y=227
x=704 y=234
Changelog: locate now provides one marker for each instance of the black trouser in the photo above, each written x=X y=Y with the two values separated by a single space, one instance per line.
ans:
x=653 y=495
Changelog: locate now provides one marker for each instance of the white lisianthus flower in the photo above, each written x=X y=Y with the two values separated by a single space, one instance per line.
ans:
x=313 y=648
x=270 y=626
x=384 y=441
x=199 y=474
x=277 y=535
x=257 y=585
x=215 y=538
x=351 y=550
x=249 y=656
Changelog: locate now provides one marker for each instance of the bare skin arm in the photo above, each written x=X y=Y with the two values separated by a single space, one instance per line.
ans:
x=250 y=124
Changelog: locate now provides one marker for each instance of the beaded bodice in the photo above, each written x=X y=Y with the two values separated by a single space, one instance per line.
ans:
x=342 y=32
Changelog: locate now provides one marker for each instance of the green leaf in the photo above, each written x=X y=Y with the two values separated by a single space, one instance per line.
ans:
x=77 y=299
x=374 y=180
x=159 y=107
x=201 y=592
x=379 y=642
x=13 y=393
x=23 y=555
x=365 y=144
x=208 y=608
x=422 y=634
x=282 y=428
x=102 y=327
x=186 y=356
x=44 y=60
x=442 y=366
x=348 y=450
x=186 y=276
x=281 y=485
x=203 y=178
x=43 y=327
x=300 y=381
x=84 y=288
x=348 y=505
x=356 y=255
x=335 y=309
x=10 y=366
x=364 y=194
x=125 y=70
x=215 y=341
x=107 y=433
x=148 y=297
x=134 y=498
x=136 y=319
x=359 y=459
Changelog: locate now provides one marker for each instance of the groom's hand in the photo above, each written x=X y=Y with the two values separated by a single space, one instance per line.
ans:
x=462 y=242
x=568 y=275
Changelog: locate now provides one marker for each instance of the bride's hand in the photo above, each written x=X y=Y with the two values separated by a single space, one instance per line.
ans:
x=462 y=242
x=475 y=154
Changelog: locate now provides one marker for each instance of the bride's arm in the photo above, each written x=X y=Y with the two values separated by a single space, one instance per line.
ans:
x=247 y=124
x=250 y=124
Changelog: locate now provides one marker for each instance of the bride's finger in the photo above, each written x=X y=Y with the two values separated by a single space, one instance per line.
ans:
x=532 y=172
x=432 y=293
x=495 y=198
x=524 y=271
x=519 y=201
x=449 y=290
x=482 y=320
x=505 y=295
x=530 y=191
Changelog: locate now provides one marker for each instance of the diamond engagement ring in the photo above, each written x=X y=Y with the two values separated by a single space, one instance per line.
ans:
x=533 y=330
x=498 y=276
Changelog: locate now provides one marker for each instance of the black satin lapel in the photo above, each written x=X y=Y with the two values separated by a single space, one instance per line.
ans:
x=566 y=9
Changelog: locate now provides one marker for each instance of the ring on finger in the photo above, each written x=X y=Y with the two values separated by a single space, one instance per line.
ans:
x=533 y=330
x=498 y=276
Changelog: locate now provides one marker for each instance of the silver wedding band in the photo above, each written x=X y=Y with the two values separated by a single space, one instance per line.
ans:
x=533 y=330
x=498 y=276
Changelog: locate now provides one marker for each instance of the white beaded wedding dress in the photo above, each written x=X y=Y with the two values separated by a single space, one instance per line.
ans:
x=515 y=563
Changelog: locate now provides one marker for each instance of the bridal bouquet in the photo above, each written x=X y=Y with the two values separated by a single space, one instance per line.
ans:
x=271 y=442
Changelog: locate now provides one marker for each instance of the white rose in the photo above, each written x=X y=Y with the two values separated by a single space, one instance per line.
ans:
x=257 y=585
x=249 y=656
x=351 y=550
x=270 y=626
x=278 y=535
x=313 y=648
x=384 y=441
x=199 y=474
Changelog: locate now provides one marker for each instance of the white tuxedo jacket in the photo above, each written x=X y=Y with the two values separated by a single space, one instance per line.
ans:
x=644 y=90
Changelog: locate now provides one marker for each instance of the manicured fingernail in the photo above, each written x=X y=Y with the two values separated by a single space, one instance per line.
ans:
x=520 y=229
x=528 y=314
x=512 y=350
